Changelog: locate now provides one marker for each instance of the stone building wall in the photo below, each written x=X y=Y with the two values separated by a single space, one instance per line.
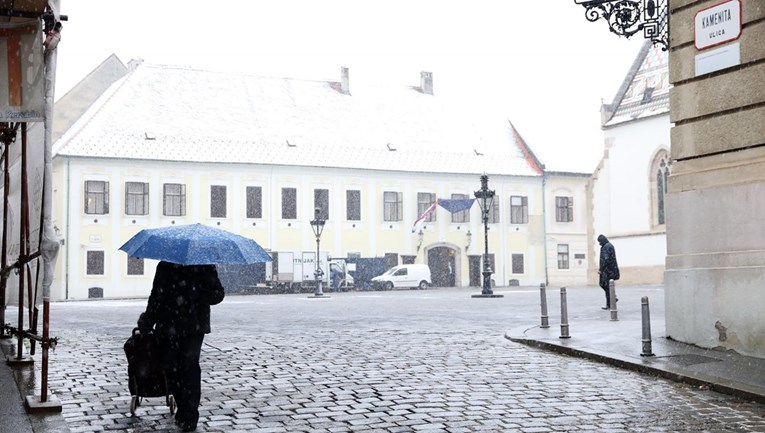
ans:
x=715 y=266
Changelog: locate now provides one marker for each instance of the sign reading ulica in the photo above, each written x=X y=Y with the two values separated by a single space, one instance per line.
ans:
x=718 y=24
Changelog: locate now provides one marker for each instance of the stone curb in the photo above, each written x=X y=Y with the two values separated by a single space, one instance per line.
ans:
x=717 y=384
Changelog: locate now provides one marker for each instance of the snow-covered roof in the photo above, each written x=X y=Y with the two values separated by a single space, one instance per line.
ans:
x=159 y=112
x=71 y=106
x=645 y=90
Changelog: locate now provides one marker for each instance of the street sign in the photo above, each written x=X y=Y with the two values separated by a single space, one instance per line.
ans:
x=718 y=59
x=717 y=24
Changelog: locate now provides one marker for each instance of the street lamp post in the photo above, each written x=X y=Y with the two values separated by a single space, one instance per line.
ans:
x=485 y=198
x=317 y=224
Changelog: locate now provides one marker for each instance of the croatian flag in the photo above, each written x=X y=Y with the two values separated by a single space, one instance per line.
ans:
x=424 y=215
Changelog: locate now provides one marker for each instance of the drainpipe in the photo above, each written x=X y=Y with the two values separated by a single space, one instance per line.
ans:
x=67 y=215
x=544 y=222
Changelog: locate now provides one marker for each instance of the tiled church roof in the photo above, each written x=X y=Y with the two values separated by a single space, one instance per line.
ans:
x=645 y=91
x=159 y=112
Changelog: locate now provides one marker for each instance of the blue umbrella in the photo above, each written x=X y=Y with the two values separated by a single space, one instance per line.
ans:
x=195 y=244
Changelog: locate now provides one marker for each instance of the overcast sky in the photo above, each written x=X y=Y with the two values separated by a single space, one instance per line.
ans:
x=540 y=62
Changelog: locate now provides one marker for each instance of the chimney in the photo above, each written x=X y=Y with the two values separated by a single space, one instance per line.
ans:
x=426 y=82
x=345 y=88
x=133 y=64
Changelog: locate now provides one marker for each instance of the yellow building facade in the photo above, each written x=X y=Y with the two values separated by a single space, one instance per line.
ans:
x=91 y=265
x=256 y=156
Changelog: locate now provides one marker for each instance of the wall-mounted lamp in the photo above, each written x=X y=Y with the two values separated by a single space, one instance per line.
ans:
x=469 y=237
x=421 y=237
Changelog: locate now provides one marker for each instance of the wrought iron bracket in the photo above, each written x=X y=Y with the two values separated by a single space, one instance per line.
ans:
x=628 y=17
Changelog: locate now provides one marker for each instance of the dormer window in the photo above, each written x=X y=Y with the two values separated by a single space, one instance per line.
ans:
x=647 y=95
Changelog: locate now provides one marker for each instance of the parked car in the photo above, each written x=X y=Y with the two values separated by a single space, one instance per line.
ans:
x=403 y=276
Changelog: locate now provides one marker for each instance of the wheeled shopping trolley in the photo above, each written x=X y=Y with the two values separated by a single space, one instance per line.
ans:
x=146 y=375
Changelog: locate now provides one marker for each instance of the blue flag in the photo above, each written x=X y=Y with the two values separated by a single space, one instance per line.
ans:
x=456 y=205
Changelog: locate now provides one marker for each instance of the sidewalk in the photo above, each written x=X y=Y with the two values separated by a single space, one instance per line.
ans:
x=619 y=343
x=15 y=384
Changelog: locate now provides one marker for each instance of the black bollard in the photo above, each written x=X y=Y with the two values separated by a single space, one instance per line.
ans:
x=612 y=299
x=647 y=350
x=543 y=296
x=563 y=314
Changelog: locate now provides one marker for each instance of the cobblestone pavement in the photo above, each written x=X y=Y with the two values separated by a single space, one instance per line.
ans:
x=402 y=361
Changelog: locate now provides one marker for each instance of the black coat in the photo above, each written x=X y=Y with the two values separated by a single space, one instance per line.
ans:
x=609 y=268
x=180 y=299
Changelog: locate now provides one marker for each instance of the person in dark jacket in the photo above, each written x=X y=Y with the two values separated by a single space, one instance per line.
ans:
x=609 y=269
x=179 y=313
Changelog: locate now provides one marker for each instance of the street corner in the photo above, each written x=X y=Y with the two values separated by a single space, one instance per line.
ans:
x=520 y=334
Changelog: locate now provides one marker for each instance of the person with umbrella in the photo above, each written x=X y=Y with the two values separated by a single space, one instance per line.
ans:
x=178 y=311
x=185 y=285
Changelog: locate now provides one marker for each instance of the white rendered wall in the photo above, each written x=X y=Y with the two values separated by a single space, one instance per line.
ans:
x=630 y=158
x=641 y=250
x=622 y=206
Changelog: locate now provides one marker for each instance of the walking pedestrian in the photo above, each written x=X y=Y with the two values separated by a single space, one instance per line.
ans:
x=609 y=269
x=179 y=311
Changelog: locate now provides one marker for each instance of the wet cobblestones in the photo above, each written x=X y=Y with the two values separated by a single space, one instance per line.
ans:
x=401 y=362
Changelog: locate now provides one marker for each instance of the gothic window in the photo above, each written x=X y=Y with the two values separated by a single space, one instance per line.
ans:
x=660 y=171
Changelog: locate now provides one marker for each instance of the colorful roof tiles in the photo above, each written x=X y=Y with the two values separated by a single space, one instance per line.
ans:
x=645 y=91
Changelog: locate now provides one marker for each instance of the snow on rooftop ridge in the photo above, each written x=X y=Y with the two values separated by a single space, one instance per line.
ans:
x=204 y=116
x=80 y=123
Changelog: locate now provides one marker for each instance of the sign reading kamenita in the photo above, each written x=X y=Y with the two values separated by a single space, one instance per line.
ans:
x=718 y=24
x=22 y=91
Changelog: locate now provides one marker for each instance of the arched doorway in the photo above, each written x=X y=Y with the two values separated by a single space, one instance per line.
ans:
x=444 y=266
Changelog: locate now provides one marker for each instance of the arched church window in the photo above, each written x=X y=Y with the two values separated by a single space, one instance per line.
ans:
x=660 y=174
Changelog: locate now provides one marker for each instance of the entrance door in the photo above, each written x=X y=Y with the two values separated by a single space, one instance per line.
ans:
x=474 y=265
x=442 y=265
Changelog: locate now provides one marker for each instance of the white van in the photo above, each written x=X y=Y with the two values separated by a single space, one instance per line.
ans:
x=414 y=276
x=340 y=269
